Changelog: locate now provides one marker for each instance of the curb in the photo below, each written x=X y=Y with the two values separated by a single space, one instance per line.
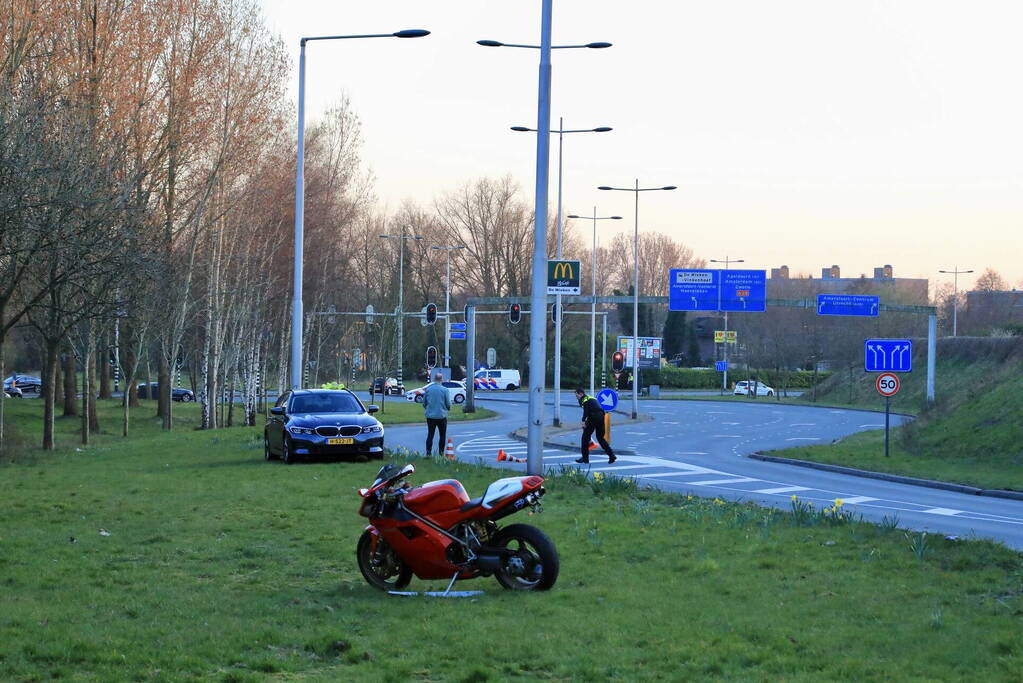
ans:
x=895 y=478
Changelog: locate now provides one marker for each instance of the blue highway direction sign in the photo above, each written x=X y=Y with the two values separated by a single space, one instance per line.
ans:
x=888 y=355
x=847 y=304
x=743 y=290
x=693 y=290
x=721 y=365
x=458 y=327
x=608 y=399
x=456 y=335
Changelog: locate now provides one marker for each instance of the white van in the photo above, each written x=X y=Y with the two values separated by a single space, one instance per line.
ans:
x=505 y=379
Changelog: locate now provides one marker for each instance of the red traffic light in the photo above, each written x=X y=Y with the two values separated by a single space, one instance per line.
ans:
x=514 y=314
x=431 y=314
x=617 y=361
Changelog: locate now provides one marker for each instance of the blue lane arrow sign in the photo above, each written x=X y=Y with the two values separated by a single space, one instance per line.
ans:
x=888 y=355
x=743 y=290
x=848 y=304
x=693 y=290
x=608 y=399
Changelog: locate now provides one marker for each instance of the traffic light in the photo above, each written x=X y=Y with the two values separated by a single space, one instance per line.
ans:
x=556 y=312
x=514 y=314
x=617 y=361
x=431 y=357
x=431 y=314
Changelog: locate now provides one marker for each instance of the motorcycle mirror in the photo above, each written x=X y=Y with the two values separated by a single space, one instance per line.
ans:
x=363 y=493
x=407 y=469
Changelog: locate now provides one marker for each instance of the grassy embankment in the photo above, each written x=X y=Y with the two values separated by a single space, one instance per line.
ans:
x=972 y=435
x=185 y=555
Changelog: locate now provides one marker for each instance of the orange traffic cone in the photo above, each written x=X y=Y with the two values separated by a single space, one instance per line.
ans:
x=501 y=457
x=450 y=452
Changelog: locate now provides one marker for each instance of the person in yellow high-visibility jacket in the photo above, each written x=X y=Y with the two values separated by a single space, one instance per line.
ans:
x=332 y=385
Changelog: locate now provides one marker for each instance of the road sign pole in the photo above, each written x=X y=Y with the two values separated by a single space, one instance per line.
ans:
x=887 y=411
x=470 y=359
x=932 y=335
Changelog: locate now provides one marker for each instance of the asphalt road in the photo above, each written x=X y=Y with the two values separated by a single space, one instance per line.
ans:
x=702 y=448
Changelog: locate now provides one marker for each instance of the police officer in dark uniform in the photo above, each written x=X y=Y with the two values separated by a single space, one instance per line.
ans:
x=593 y=422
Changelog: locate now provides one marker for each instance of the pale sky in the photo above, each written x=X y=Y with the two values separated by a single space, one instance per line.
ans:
x=799 y=132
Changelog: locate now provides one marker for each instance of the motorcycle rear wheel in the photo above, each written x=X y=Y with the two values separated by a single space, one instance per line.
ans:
x=534 y=564
x=382 y=569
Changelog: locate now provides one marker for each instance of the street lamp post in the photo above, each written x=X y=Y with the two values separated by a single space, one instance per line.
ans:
x=538 y=297
x=401 y=290
x=593 y=291
x=557 y=297
x=724 y=377
x=296 y=300
x=955 y=273
x=635 y=289
x=448 y=248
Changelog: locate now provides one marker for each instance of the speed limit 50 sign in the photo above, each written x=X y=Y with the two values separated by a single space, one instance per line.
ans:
x=887 y=384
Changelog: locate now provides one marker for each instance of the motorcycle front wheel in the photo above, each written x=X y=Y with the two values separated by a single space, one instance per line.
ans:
x=382 y=568
x=533 y=564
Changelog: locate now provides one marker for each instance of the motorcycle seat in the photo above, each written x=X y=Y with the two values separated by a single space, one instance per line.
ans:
x=475 y=502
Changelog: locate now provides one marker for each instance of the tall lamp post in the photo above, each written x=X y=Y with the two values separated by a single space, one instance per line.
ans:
x=538 y=298
x=593 y=290
x=558 y=316
x=955 y=273
x=635 y=288
x=448 y=248
x=724 y=377
x=296 y=299
x=401 y=289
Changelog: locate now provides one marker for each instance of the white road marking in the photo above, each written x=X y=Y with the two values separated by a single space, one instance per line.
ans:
x=680 y=473
x=857 y=499
x=947 y=512
x=783 y=489
x=802 y=424
x=719 y=412
x=877 y=425
x=727 y=436
x=730 y=423
x=671 y=423
x=804 y=438
x=615 y=468
x=637 y=433
x=691 y=453
x=712 y=482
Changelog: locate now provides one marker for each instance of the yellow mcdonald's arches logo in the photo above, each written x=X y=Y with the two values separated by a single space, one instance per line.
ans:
x=564 y=270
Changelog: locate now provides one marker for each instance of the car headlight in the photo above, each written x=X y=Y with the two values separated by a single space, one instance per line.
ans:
x=301 y=430
x=372 y=429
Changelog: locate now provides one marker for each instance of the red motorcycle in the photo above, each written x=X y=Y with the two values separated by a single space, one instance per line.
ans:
x=435 y=532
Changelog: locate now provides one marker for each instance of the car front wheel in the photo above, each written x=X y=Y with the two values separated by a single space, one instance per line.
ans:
x=287 y=457
x=459 y=398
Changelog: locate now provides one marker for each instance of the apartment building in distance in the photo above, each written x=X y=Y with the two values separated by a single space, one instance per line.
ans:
x=883 y=283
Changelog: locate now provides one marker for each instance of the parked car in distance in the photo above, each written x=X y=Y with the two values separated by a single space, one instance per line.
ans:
x=28 y=384
x=320 y=422
x=387 y=385
x=152 y=390
x=745 y=388
x=456 y=392
x=13 y=392
x=505 y=379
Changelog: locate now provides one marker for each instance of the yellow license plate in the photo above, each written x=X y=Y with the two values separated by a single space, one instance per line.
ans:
x=340 y=442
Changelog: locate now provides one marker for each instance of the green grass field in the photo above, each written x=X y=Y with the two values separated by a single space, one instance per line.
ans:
x=972 y=435
x=186 y=556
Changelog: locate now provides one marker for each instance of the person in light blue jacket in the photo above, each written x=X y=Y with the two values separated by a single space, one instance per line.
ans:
x=436 y=404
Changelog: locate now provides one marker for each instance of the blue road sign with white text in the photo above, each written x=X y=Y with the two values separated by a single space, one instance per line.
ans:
x=743 y=290
x=888 y=355
x=457 y=335
x=458 y=327
x=608 y=399
x=693 y=290
x=721 y=365
x=847 y=304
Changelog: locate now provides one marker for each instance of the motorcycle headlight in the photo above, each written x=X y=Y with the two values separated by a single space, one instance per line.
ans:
x=301 y=430
x=372 y=429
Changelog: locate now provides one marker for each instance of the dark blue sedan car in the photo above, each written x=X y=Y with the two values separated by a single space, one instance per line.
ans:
x=322 y=422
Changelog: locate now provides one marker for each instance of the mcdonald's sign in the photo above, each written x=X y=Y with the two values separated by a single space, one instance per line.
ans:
x=563 y=277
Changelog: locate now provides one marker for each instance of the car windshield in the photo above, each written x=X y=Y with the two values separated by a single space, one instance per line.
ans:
x=326 y=403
